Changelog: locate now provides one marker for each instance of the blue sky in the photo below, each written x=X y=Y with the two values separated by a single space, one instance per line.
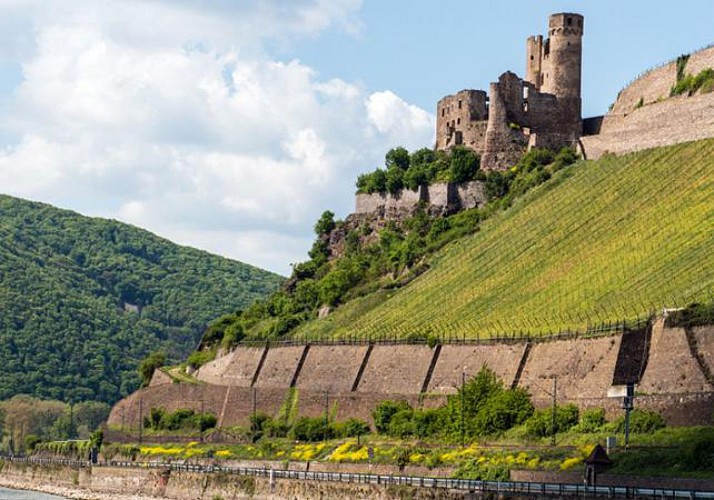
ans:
x=231 y=125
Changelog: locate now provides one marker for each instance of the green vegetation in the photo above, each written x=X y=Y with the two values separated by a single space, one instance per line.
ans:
x=84 y=300
x=600 y=241
x=689 y=84
x=482 y=407
x=422 y=167
x=25 y=422
x=181 y=419
x=375 y=260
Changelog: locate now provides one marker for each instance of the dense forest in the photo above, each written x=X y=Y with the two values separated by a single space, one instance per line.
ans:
x=84 y=300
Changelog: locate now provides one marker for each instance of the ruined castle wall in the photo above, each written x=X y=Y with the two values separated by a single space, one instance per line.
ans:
x=331 y=368
x=671 y=367
x=438 y=196
x=396 y=369
x=656 y=84
x=235 y=368
x=502 y=359
x=461 y=119
x=584 y=369
x=404 y=200
x=673 y=121
x=471 y=194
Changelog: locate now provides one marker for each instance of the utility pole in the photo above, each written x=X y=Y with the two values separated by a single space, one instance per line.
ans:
x=141 y=419
x=555 y=401
x=254 y=422
x=463 y=408
x=327 y=407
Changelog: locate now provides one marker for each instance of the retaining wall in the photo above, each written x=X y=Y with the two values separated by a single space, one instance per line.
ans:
x=236 y=368
x=503 y=359
x=584 y=369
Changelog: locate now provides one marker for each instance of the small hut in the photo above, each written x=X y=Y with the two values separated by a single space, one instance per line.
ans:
x=596 y=463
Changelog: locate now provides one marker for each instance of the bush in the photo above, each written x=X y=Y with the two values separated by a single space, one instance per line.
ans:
x=199 y=358
x=354 y=427
x=311 y=429
x=384 y=411
x=401 y=425
x=540 y=424
x=641 y=421
x=591 y=420
x=149 y=364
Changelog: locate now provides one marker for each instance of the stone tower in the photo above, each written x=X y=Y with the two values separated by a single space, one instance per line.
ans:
x=554 y=65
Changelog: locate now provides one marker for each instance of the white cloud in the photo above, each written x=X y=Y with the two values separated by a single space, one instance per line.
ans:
x=188 y=128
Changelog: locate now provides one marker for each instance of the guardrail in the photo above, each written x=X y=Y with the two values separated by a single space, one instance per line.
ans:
x=470 y=485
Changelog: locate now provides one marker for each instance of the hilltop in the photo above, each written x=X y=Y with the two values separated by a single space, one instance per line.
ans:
x=85 y=299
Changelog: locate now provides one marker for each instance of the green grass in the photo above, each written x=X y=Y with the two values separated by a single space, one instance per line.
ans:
x=603 y=241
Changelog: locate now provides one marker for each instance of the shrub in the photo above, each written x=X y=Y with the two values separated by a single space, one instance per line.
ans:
x=384 y=411
x=199 y=358
x=311 y=429
x=641 y=421
x=540 y=424
x=591 y=420
x=401 y=425
x=354 y=427
x=149 y=364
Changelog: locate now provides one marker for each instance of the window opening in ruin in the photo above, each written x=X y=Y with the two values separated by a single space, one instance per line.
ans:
x=531 y=57
x=570 y=21
x=580 y=23
x=458 y=121
x=459 y=103
x=442 y=111
x=459 y=139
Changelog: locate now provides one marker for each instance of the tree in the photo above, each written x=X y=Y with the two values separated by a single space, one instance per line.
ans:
x=325 y=224
x=384 y=411
x=463 y=164
x=397 y=158
x=149 y=364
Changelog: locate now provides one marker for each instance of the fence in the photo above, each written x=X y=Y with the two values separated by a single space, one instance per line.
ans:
x=471 y=485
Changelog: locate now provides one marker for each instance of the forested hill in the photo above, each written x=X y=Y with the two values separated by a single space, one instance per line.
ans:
x=83 y=300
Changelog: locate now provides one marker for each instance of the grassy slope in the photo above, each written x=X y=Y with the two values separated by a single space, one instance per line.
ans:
x=604 y=240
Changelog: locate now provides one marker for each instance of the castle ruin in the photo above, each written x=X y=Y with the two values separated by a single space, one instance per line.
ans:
x=542 y=111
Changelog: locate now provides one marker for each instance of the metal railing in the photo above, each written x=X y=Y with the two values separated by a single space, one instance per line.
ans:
x=471 y=485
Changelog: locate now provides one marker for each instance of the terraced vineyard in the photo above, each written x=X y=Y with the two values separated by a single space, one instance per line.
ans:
x=604 y=241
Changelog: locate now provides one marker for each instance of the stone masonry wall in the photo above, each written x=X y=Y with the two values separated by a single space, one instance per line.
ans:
x=331 y=368
x=464 y=196
x=584 y=369
x=673 y=121
x=503 y=359
x=396 y=369
x=674 y=381
x=659 y=120
x=236 y=368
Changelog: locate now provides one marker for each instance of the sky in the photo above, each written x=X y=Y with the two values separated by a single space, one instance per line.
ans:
x=231 y=125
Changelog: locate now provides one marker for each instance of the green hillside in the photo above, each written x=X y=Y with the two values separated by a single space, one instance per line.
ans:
x=601 y=241
x=83 y=300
